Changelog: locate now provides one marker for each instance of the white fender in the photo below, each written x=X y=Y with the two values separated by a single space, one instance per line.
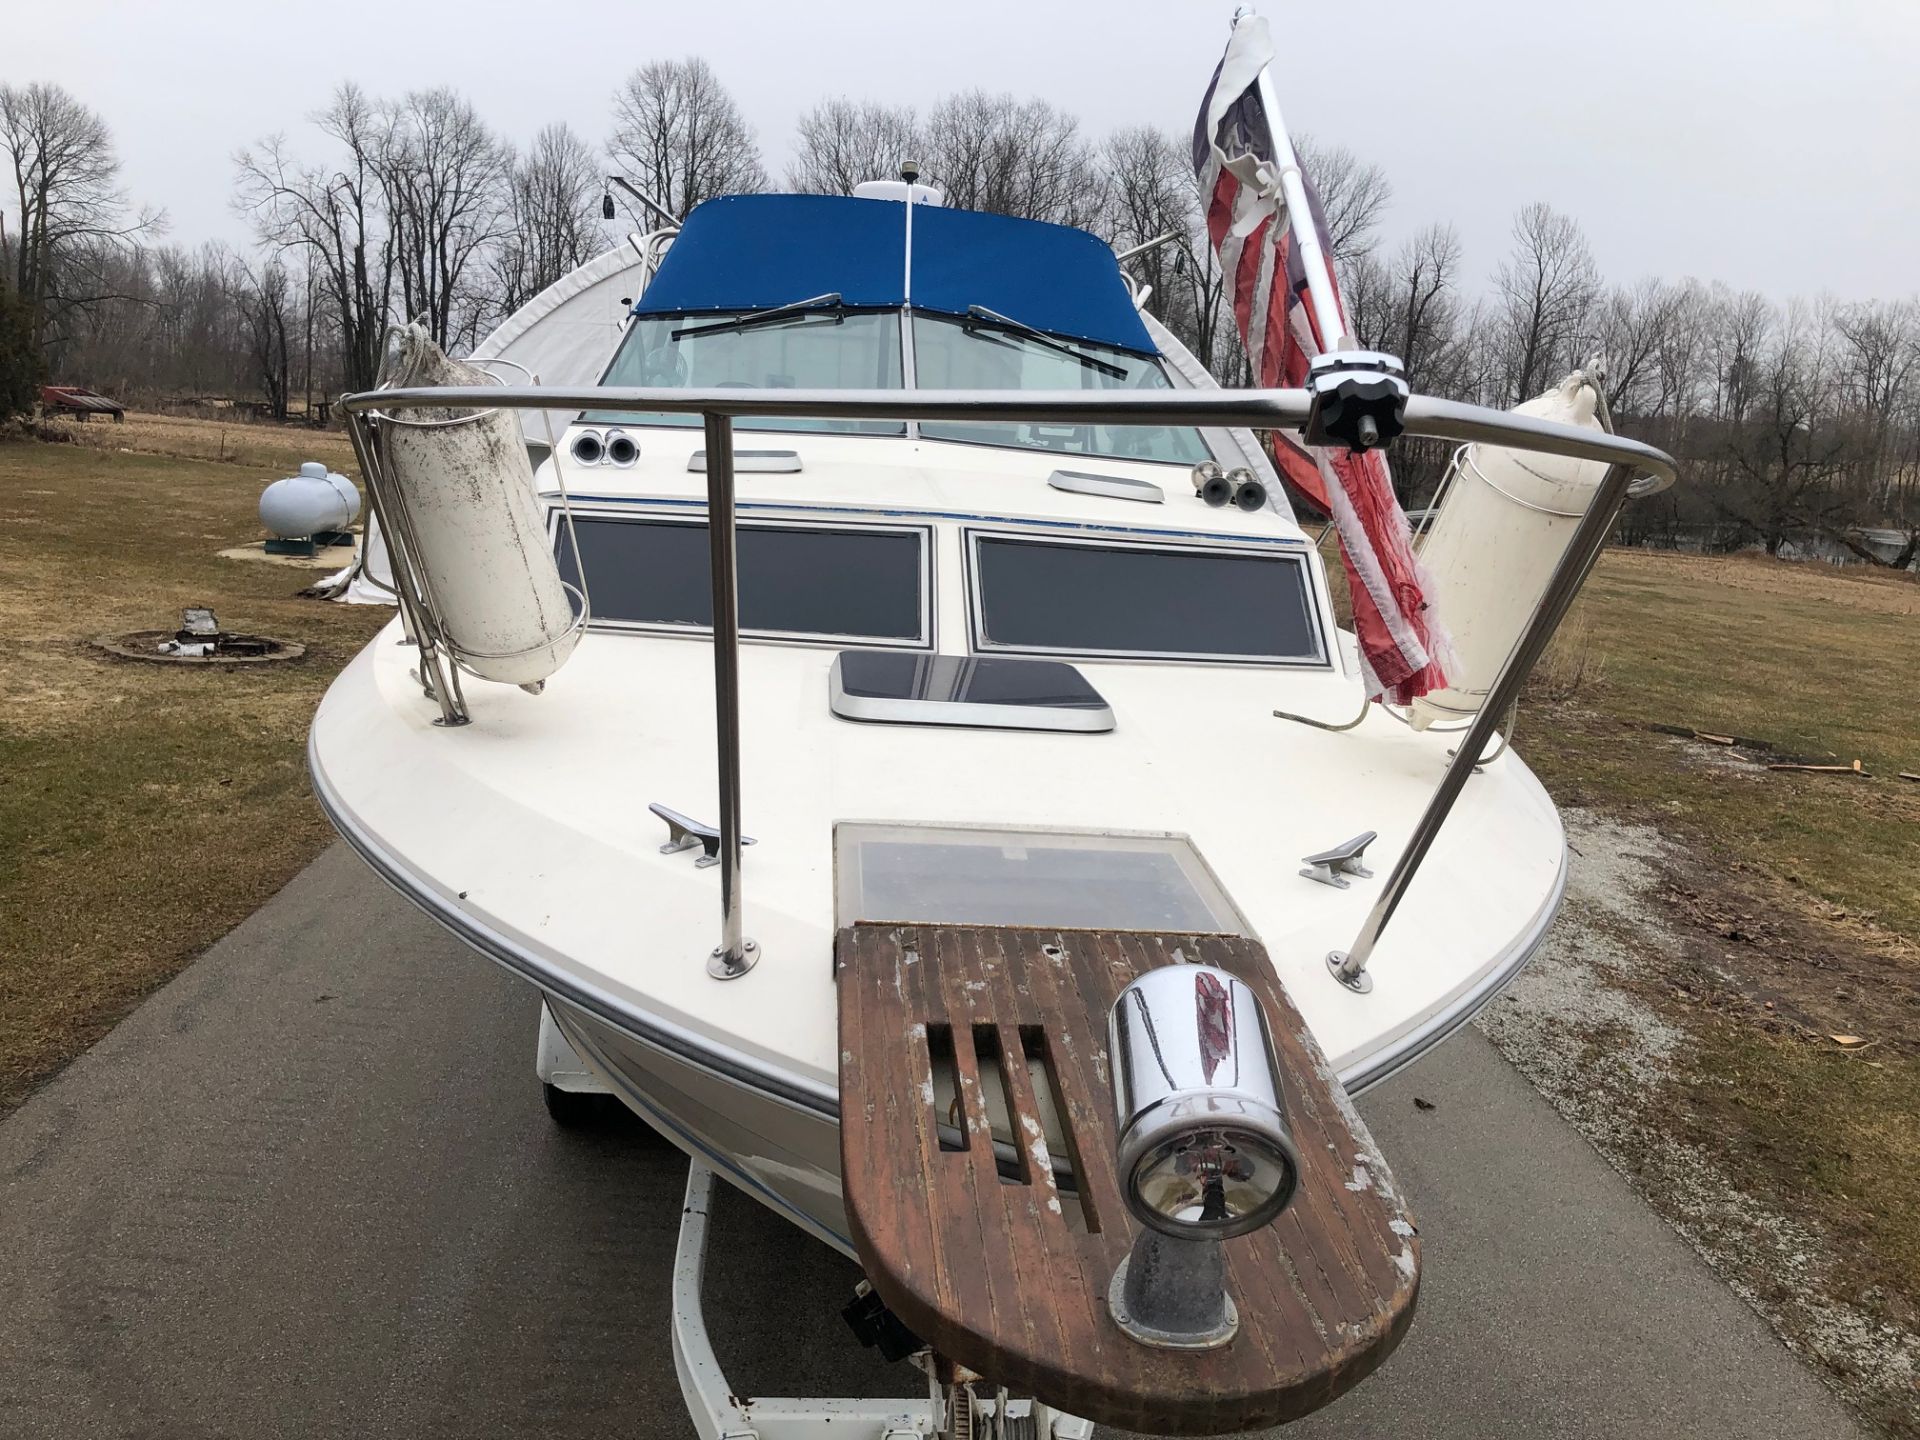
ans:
x=1504 y=522
x=478 y=532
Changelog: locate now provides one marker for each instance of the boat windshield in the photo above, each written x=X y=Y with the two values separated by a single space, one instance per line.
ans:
x=825 y=347
x=960 y=354
x=806 y=350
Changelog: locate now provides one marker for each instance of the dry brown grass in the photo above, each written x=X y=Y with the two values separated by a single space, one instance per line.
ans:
x=1856 y=587
x=1574 y=665
x=144 y=810
x=1800 y=898
x=276 y=447
x=1796 y=896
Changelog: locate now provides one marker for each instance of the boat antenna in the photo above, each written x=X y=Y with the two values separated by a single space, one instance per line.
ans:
x=606 y=201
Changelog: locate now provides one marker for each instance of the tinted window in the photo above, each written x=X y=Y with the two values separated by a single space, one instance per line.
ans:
x=1134 y=599
x=965 y=679
x=793 y=579
x=901 y=687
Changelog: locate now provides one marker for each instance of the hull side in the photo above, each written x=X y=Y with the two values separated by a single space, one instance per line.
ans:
x=785 y=1157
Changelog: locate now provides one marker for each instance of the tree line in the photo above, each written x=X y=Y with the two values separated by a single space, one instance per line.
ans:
x=1793 y=420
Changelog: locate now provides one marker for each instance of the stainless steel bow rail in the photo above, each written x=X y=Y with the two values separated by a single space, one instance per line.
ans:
x=1633 y=469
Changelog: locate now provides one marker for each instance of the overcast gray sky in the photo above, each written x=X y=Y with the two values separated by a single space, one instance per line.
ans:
x=1767 y=143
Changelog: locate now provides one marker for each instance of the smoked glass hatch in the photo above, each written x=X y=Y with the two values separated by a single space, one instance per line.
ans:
x=992 y=691
x=954 y=875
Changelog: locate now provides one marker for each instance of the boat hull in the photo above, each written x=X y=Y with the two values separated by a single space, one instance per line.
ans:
x=769 y=1132
x=782 y=1154
x=786 y=1154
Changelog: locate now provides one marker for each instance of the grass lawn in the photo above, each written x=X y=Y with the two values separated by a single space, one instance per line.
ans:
x=1824 y=663
x=144 y=810
x=1797 y=905
x=1792 y=910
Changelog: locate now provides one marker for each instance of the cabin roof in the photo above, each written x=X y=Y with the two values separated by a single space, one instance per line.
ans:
x=754 y=252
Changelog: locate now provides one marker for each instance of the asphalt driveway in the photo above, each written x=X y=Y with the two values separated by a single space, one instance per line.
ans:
x=309 y=1189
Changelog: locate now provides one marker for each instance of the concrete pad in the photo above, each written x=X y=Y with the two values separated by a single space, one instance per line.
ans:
x=330 y=557
x=309 y=1189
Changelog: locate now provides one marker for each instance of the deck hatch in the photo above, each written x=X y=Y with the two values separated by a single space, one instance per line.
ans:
x=954 y=875
x=903 y=687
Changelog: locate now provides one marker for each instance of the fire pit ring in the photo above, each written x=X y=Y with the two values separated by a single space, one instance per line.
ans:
x=230 y=649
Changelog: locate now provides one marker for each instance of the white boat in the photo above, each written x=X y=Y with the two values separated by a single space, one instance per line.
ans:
x=998 y=662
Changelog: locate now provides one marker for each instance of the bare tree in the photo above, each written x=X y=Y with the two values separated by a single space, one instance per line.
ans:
x=1545 y=291
x=172 y=326
x=1879 y=361
x=265 y=301
x=840 y=143
x=1784 y=451
x=1012 y=157
x=72 y=214
x=443 y=177
x=1632 y=324
x=679 y=135
x=1149 y=194
x=334 y=215
x=1737 y=330
x=1409 y=305
x=1354 y=195
x=552 y=216
x=1423 y=324
x=1678 y=356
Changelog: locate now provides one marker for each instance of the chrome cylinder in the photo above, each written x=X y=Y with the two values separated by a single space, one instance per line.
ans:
x=622 y=450
x=1203 y=1139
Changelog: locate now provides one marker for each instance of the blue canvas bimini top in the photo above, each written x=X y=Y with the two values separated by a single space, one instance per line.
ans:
x=753 y=252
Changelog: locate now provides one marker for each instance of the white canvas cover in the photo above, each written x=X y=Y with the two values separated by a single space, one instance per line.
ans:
x=567 y=333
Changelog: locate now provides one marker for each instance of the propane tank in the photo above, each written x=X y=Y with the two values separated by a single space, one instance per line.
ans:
x=1504 y=522
x=473 y=524
x=316 y=499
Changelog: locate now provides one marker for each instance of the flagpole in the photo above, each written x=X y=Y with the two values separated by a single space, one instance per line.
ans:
x=1293 y=189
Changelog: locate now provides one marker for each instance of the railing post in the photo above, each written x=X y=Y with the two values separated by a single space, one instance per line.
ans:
x=1589 y=538
x=438 y=675
x=735 y=955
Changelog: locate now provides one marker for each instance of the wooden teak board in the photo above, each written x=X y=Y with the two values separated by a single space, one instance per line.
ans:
x=1003 y=1269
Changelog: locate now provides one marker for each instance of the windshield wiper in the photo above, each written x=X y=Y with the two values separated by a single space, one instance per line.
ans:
x=779 y=314
x=979 y=314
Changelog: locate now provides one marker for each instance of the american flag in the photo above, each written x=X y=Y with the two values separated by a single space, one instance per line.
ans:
x=1403 y=649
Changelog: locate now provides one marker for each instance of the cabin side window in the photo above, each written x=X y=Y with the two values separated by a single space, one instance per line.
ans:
x=1096 y=599
x=858 y=584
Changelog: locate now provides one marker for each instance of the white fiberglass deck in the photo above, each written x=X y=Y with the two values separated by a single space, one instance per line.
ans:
x=531 y=824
